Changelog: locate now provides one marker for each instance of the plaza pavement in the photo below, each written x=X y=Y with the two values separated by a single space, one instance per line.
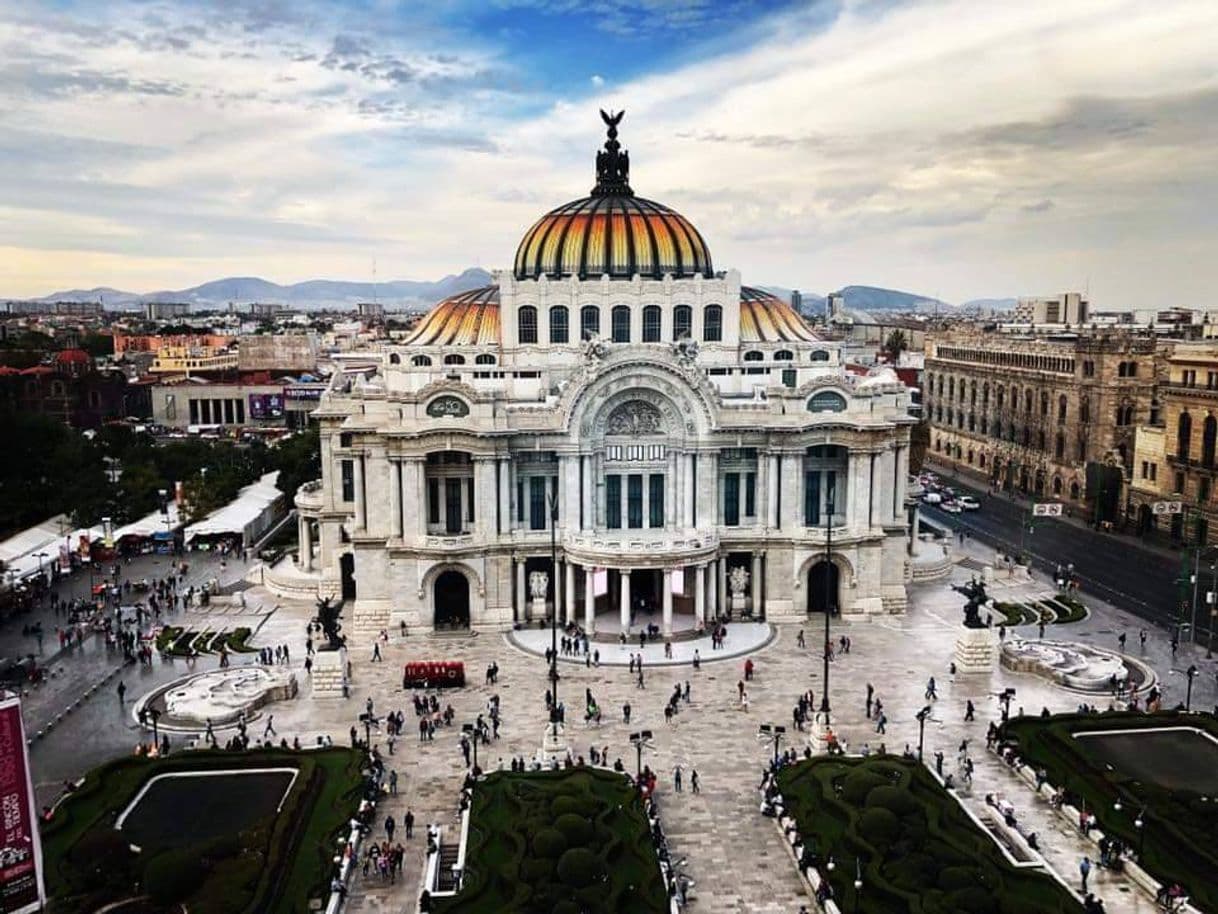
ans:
x=735 y=855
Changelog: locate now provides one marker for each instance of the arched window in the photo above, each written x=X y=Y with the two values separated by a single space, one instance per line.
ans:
x=784 y=355
x=1082 y=450
x=985 y=394
x=484 y=359
x=712 y=324
x=951 y=388
x=1057 y=485
x=1184 y=434
x=526 y=324
x=753 y=356
x=395 y=359
x=1044 y=403
x=1000 y=395
x=1061 y=408
x=454 y=359
x=1059 y=446
x=620 y=324
x=1040 y=440
x=972 y=422
x=682 y=321
x=421 y=361
x=560 y=324
x=1133 y=370
x=651 y=324
x=972 y=395
x=1209 y=435
x=1027 y=401
x=589 y=321
x=820 y=355
x=1084 y=411
x=981 y=459
x=1121 y=370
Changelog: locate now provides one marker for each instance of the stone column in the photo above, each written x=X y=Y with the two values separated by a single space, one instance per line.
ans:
x=872 y=491
x=305 y=539
x=721 y=584
x=646 y=501
x=505 y=495
x=587 y=491
x=569 y=498
x=700 y=595
x=361 y=503
x=690 y=495
x=395 y=498
x=899 y=474
x=671 y=492
x=712 y=588
x=484 y=506
x=624 y=601
x=756 y=584
x=421 y=486
x=522 y=596
x=569 y=596
x=666 y=583
x=762 y=499
x=589 y=601
x=773 y=485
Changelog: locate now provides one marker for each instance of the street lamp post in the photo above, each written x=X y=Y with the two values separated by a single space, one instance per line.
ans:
x=154 y=715
x=1140 y=824
x=858 y=882
x=1005 y=698
x=774 y=732
x=1191 y=673
x=639 y=740
x=922 y=715
x=552 y=498
x=829 y=598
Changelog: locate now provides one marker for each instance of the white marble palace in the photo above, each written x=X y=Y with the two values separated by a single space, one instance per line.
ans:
x=683 y=445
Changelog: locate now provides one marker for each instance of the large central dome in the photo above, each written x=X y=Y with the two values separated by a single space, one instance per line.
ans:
x=612 y=232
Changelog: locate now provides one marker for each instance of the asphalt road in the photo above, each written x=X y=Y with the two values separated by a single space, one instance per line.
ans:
x=1115 y=568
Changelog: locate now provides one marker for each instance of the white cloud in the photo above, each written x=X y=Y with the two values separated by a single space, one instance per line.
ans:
x=944 y=146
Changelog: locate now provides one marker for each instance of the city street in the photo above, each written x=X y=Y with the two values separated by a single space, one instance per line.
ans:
x=1113 y=567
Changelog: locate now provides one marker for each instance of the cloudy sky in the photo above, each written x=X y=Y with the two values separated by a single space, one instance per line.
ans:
x=949 y=147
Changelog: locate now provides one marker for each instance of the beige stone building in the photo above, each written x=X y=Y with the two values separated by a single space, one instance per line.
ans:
x=1176 y=459
x=685 y=446
x=1034 y=413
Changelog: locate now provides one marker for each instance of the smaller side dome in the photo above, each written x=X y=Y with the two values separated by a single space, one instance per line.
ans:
x=466 y=319
x=766 y=318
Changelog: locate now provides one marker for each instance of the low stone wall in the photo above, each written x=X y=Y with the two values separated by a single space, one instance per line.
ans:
x=329 y=675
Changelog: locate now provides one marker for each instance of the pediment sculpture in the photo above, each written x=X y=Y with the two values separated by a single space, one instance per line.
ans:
x=635 y=417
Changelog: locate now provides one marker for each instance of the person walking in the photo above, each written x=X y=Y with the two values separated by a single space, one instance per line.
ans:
x=694 y=786
x=881 y=723
x=1084 y=870
x=122 y=691
x=270 y=726
x=931 y=694
x=626 y=713
x=393 y=789
x=799 y=639
x=1142 y=638
x=1121 y=641
x=870 y=697
x=969 y=710
x=376 y=651
x=676 y=778
x=389 y=826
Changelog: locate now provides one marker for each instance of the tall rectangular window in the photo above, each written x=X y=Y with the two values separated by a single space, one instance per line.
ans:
x=240 y=411
x=589 y=321
x=346 y=470
x=651 y=324
x=811 y=499
x=731 y=499
x=194 y=411
x=558 y=324
x=655 y=509
x=520 y=501
x=682 y=321
x=613 y=502
x=619 y=319
x=831 y=505
x=433 y=501
x=469 y=500
x=537 y=503
x=750 y=494
x=634 y=501
x=452 y=505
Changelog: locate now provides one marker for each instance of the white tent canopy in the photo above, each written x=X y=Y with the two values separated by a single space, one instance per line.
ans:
x=38 y=547
x=153 y=523
x=38 y=538
x=247 y=516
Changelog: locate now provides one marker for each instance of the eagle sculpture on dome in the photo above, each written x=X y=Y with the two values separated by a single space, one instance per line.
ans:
x=612 y=120
x=612 y=164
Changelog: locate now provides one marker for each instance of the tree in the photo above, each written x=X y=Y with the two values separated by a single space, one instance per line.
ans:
x=895 y=344
x=298 y=460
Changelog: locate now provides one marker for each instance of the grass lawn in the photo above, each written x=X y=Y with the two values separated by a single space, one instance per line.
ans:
x=274 y=864
x=574 y=841
x=1180 y=817
x=919 y=852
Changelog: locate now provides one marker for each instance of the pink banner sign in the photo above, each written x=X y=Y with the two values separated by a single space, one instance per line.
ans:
x=21 y=887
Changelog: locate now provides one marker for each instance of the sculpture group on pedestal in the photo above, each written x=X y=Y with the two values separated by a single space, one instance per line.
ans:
x=975 y=592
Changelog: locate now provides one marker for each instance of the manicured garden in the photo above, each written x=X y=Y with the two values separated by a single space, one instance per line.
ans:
x=1061 y=609
x=274 y=863
x=1179 y=812
x=182 y=642
x=889 y=820
x=574 y=841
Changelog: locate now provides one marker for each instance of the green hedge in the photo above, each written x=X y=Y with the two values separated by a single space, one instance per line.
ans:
x=919 y=852
x=554 y=841
x=275 y=867
x=1015 y=614
x=1179 y=825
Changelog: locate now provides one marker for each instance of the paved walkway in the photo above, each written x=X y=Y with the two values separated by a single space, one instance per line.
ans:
x=743 y=638
x=735 y=854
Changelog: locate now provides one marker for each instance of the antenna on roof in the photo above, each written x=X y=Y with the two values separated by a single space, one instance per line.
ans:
x=374 y=298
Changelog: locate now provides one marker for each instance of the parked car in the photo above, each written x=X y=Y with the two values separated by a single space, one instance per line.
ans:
x=951 y=507
x=932 y=498
x=968 y=503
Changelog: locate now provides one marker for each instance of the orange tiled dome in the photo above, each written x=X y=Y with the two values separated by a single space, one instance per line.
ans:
x=765 y=318
x=466 y=319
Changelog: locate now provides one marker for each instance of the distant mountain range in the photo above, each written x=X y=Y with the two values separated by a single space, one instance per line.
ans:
x=326 y=293
x=314 y=293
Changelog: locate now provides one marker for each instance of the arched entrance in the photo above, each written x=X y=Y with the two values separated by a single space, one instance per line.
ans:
x=452 y=600
x=346 y=568
x=824 y=587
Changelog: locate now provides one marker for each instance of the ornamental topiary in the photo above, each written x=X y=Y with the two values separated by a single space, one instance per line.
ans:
x=549 y=842
x=174 y=875
x=973 y=900
x=579 y=867
x=576 y=829
x=954 y=878
x=858 y=784
x=564 y=804
x=879 y=826
x=893 y=799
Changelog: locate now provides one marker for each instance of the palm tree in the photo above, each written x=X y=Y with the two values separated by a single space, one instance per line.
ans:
x=896 y=343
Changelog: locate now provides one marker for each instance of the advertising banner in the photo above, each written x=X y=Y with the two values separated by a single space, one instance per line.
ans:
x=21 y=888
x=266 y=406
x=65 y=558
